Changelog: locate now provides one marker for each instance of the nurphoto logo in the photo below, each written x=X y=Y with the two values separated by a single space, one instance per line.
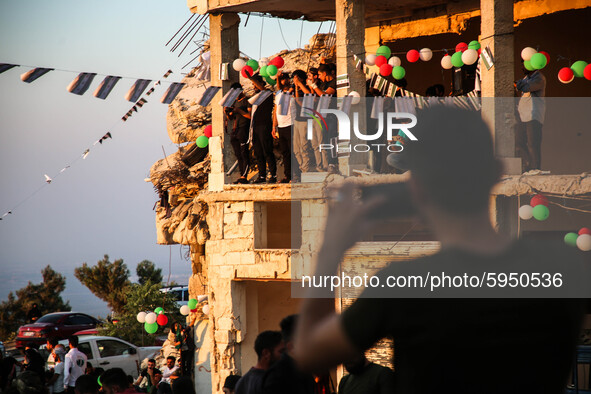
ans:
x=395 y=122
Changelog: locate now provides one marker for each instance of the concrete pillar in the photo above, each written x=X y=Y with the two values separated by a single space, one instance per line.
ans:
x=497 y=83
x=498 y=103
x=350 y=40
x=224 y=48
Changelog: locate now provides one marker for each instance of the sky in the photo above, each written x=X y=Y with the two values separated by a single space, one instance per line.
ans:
x=99 y=205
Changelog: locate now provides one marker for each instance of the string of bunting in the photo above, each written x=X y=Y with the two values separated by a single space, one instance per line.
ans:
x=83 y=80
x=169 y=95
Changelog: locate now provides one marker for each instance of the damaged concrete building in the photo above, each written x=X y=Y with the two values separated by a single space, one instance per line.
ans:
x=250 y=243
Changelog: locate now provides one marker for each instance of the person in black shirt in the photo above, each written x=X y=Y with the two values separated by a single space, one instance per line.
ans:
x=284 y=377
x=268 y=346
x=238 y=124
x=449 y=345
x=262 y=126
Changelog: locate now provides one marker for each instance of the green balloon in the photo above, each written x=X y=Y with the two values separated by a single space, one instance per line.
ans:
x=263 y=72
x=202 y=141
x=384 y=50
x=271 y=81
x=398 y=72
x=151 y=328
x=159 y=310
x=571 y=239
x=578 y=68
x=456 y=59
x=474 y=45
x=541 y=212
x=271 y=70
x=528 y=66
x=538 y=61
x=192 y=304
x=253 y=63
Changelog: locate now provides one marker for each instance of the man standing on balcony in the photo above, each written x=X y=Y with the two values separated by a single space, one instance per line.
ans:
x=532 y=110
x=262 y=138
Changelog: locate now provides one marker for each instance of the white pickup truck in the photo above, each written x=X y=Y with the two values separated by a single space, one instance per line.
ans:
x=110 y=352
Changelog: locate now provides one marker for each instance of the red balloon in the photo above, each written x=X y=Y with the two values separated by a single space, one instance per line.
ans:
x=277 y=62
x=479 y=51
x=385 y=70
x=584 y=230
x=547 y=56
x=162 y=320
x=412 y=55
x=587 y=72
x=247 y=71
x=565 y=75
x=380 y=60
x=207 y=131
x=194 y=310
x=461 y=47
x=538 y=199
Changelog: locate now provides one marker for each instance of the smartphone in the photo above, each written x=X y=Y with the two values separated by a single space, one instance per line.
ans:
x=398 y=200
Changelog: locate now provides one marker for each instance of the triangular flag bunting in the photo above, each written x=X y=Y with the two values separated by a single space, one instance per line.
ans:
x=141 y=102
x=167 y=74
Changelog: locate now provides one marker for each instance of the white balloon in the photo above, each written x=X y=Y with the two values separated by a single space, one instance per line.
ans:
x=141 y=317
x=526 y=212
x=425 y=54
x=394 y=61
x=470 y=56
x=151 y=318
x=370 y=59
x=206 y=309
x=356 y=97
x=584 y=242
x=446 y=62
x=238 y=64
x=185 y=310
x=264 y=61
x=527 y=53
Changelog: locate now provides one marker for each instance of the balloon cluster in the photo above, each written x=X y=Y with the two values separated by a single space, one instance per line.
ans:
x=579 y=69
x=534 y=60
x=581 y=240
x=465 y=54
x=203 y=140
x=267 y=69
x=192 y=305
x=152 y=320
x=537 y=208
x=392 y=65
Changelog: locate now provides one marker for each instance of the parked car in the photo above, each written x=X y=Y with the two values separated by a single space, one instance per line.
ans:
x=180 y=293
x=110 y=352
x=54 y=325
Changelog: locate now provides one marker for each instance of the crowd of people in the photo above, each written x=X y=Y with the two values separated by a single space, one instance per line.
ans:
x=67 y=371
x=258 y=125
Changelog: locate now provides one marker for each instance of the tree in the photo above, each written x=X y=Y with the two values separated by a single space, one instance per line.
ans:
x=142 y=297
x=147 y=272
x=108 y=281
x=46 y=295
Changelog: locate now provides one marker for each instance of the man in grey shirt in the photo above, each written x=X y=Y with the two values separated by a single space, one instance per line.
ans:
x=532 y=109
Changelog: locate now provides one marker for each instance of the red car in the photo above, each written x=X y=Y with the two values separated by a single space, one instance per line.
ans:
x=54 y=325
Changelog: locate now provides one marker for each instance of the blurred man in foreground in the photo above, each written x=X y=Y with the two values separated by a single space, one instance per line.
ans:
x=460 y=345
